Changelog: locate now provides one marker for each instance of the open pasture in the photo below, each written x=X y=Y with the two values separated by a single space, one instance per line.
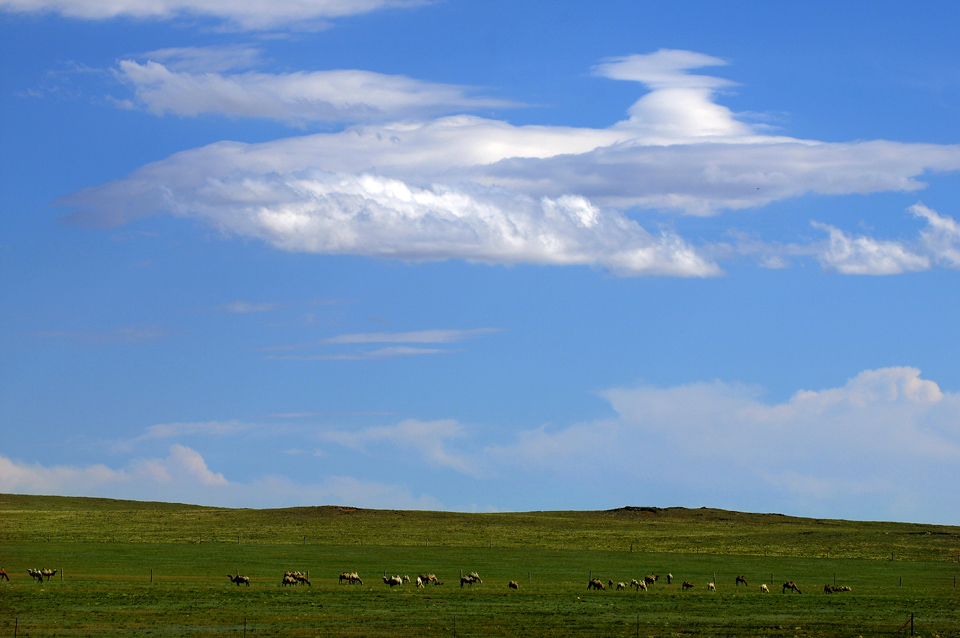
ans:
x=108 y=550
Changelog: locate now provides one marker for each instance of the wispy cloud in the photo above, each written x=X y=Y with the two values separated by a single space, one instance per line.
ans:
x=246 y=307
x=297 y=98
x=390 y=352
x=183 y=476
x=427 y=439
x=210 y=59
x=418 y=336
x=239 y=14
x=206 y=428
x=867 y=256
x=372 y=355
x=129 y=334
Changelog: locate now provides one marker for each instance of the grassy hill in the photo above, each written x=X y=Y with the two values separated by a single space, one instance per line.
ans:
x=157 y=568
x=651 y=529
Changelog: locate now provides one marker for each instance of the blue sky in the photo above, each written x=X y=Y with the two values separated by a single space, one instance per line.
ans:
x=482 y=256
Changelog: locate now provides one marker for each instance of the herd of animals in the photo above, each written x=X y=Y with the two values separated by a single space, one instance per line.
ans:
x=298 y=578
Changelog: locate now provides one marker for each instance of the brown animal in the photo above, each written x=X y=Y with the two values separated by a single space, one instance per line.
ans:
x=47 y=573
x=470 y=579
x=239 y=579
x=621 y=585
x=669 y=578
x=301 y=578
x=36 y=573
x=650 y=580
x=513 y=585
x=393 y=581
x=790 y=585
x=430 y=578
x=596 y=583
x=741 y=579
x=686 y=585
x=3 y=574
x=288 y=580
x=638 y=584
x=350 y=577
x=829 y=589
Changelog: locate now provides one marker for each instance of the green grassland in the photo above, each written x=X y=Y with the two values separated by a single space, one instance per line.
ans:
x=137 y=569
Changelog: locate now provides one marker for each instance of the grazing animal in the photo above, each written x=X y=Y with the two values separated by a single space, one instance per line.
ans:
x=669 y=578
x=3 y=574
x=47 y=573
x=513 y=585
x=406 y=579
x=350 y=577
x=621 y=585
x=741 y=579
x=711 y=587
x=829 y=589
x=638 y=584
x=430 y=578
x=469 y=579
x=610 y=583
x=764 y=589
x=596 y=583
x=36 y=573
x=686 y=585
x=392 y=581
x=239 y=579
x=288 y=580
x=419 y=582
x=790 y=585
x=297 y=577
x=650 y=580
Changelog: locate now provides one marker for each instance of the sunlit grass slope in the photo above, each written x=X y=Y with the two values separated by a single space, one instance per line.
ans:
x=155 y=568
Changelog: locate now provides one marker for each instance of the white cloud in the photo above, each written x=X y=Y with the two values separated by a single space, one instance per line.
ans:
x=128 y=334
x=183 y=476
x=298 y=97
x=483 y=190
x=418 y=336
x=182 y=468
x=244 y=14
x=941 y=238
x=390 y=352
x=887 y=435
x=211 y=59
x=208 y=428
x=868 y=256
x=371 y=355
x=246 y=307
x=426 y=439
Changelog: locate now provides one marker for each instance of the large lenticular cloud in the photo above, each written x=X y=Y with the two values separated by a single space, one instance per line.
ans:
x=484 y=190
